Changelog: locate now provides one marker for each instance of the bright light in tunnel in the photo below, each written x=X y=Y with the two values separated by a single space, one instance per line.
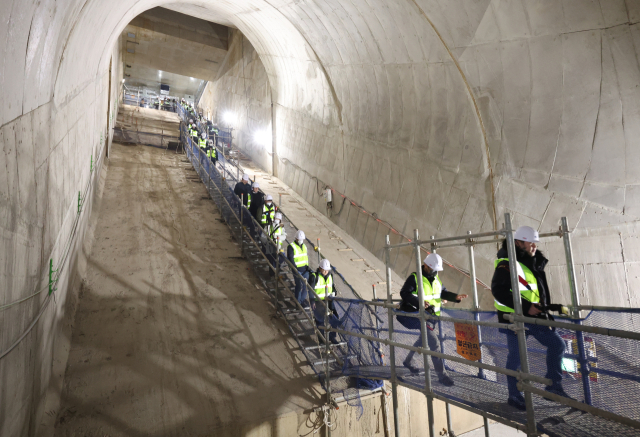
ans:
x=262 y=137
x=229 y=117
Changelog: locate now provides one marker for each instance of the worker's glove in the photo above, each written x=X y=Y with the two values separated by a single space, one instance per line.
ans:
x=561 y=309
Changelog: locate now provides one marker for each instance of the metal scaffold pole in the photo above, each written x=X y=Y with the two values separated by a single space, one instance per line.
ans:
x=423 y=335
x=392 y=349
x=575 y=303
x=326 y=363
x=476 y=315
x=520 y=330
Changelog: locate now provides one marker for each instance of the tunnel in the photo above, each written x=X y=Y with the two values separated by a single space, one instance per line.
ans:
x=132 y=296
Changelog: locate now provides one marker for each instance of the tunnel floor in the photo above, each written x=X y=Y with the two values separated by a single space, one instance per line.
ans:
x=172 y=334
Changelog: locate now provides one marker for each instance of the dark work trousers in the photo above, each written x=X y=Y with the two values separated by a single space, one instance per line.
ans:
x=434 y=344
x=555 y=353
x=319 y=314
x=301 y=292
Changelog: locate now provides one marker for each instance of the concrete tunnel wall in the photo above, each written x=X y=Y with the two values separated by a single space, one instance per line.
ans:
x=447 y=114
x=407 y=107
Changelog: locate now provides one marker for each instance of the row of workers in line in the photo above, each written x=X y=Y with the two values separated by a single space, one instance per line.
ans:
x=533 y=287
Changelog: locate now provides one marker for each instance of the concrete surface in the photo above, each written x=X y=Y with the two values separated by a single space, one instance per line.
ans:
x=434 y=114
x=171 y=324
x=496 y=430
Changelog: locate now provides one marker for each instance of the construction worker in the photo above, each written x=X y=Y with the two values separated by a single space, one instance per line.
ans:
x=434 y=295
x=268 y=211
x=212 y=153
x=243 y=188
x=298 y=256
x=322 y=283
x=256 y=202
x=536 y=302
x=202 y=142
x=275 y=232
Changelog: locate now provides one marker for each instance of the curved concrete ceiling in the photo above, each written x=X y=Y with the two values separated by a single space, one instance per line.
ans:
x=438 y=114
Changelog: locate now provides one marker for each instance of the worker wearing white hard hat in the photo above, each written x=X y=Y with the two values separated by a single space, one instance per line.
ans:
x=268 y=211
x=435 y=294
x=298 y=255
x=275 y=235
x=202 y=141
x=536 y=302
x=243 y=189
x=322 y=283
x=256 y=202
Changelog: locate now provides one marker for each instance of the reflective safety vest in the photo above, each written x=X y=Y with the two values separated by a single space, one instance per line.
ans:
x=248 y=200
x=268 y=211
x=202 y=143
x=432 y=292
x=214 y=152
x=322 y=284
x=300 y=255
x=527 y=284
x=274 y=231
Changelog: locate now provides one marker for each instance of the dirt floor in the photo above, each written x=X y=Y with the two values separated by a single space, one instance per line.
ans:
x=173 y=336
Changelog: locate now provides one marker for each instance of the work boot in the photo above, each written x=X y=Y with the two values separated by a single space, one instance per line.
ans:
x=557 y=389
x=445 y=380
x=517 y=402
x=411 y=367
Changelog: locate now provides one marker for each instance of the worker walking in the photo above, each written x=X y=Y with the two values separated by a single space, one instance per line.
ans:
x=322 y=282
x=202 y=142
x=275 y=232
x=268 y=211
x=435 y=294
x=536 y=302
x=256 y=202
x=298 y=256
x=212 y=153
x=243 y=189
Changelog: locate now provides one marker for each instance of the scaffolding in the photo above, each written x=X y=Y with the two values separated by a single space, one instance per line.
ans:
x=370 y=345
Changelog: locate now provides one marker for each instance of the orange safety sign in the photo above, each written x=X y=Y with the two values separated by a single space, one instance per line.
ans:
x=467 y=341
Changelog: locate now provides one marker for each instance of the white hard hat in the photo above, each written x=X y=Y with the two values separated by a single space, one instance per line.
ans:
x=434 y=262
x=325 y=264
x=256 y=185
x=300 y=236
x=245 y=177
x=278 y=216
x=269 y=197
x=526 y=233
x=211 y=142
x=191 y=120
x=203 y=135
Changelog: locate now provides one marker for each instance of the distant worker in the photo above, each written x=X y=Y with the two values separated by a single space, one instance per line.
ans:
x=322 y=283
x=256 y=202
x=212 y=153
x=434 y=295
x=297 y=254
x=243 y=189
x=536 y=302
x=268 y=211
x=202 y=142
x=275 y=232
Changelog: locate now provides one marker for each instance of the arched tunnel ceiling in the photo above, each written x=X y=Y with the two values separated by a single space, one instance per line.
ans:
x=437 y=114
x=407 y=106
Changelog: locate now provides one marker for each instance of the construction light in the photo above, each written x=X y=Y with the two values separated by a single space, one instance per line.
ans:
x=262 y=137
x=229 y=117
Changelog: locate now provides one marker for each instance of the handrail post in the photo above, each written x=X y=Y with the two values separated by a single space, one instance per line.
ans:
x=517 y=307
x=447 y=407
x=423 y=335
x=241 y=223
x=326 y=354
x=575 y=303
x=392 y=349
x=474 y=293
